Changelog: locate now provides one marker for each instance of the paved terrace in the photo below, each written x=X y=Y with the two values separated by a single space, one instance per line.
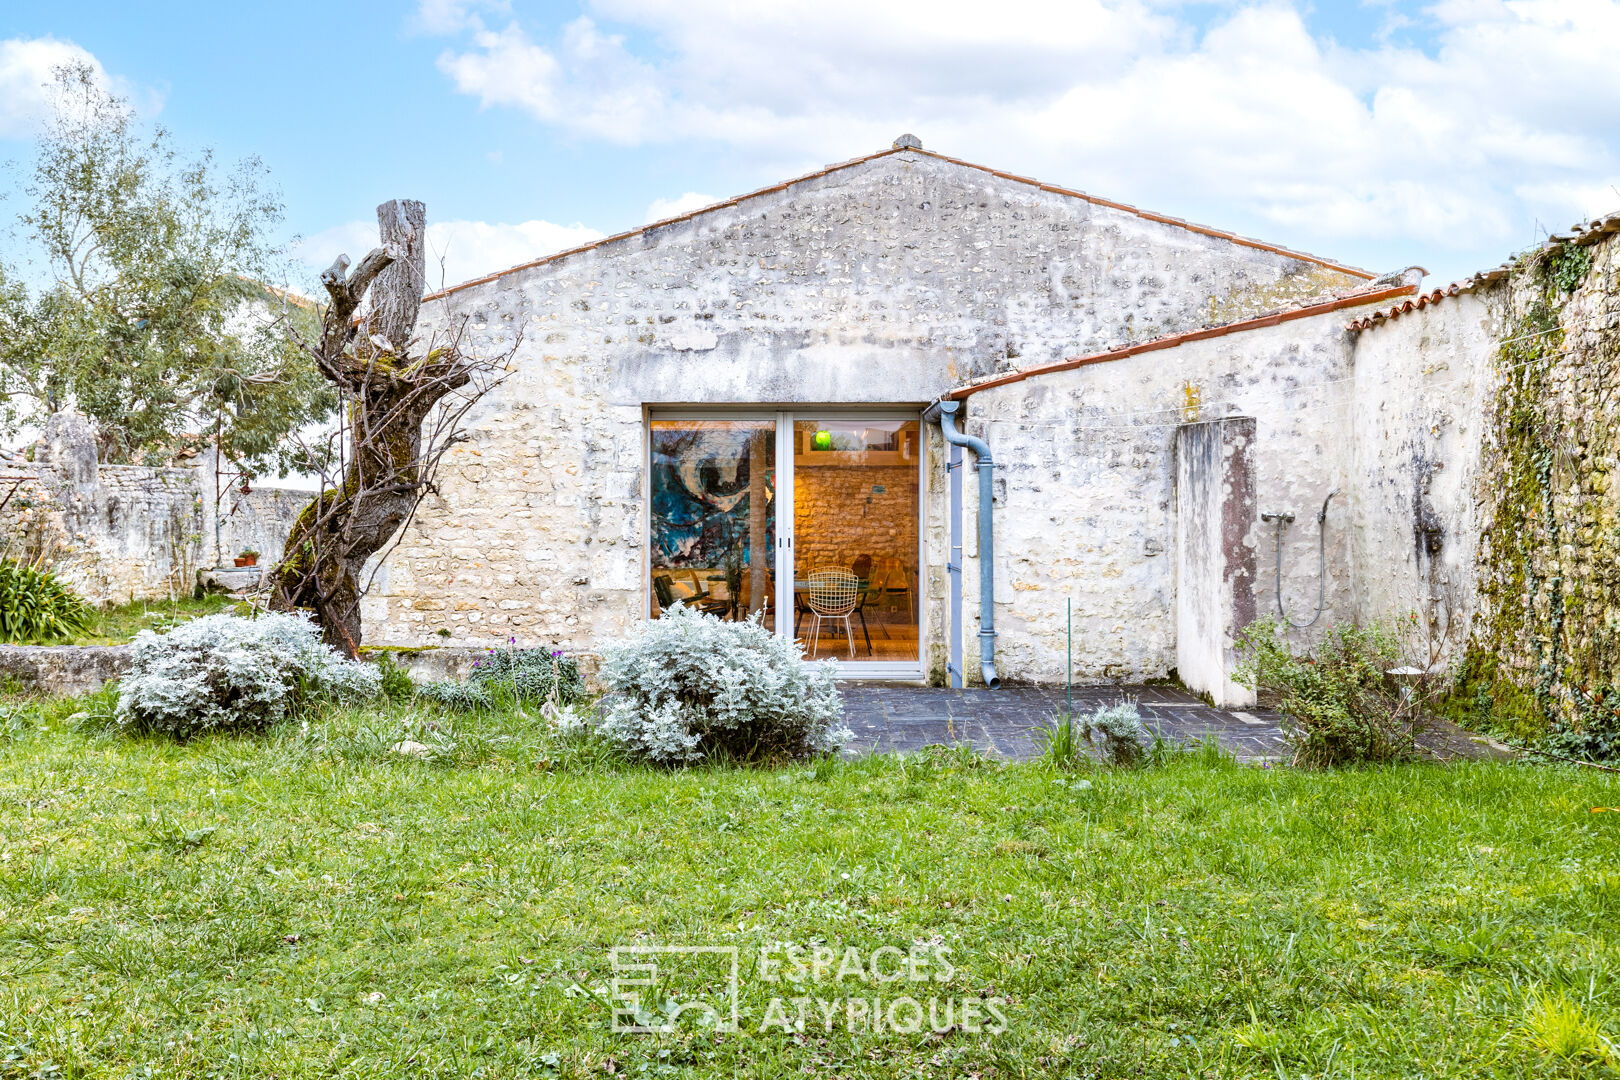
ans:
x=1005 y=723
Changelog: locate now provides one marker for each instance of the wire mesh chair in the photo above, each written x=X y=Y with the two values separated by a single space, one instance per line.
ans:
x=833 y=593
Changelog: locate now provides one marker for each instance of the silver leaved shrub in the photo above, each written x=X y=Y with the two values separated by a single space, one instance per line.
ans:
x=223 y=672
x=1118 y=729
x=690 y=686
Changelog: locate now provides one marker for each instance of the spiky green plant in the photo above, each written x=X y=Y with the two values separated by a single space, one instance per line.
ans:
x=35 y=606
x=1061 y=742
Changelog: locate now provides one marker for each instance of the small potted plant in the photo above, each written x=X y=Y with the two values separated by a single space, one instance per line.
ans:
x=247 y=557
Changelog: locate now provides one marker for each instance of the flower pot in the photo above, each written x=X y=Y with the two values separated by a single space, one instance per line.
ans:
x=247 y=560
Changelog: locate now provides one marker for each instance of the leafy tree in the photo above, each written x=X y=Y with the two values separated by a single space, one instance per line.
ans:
x=155 y=321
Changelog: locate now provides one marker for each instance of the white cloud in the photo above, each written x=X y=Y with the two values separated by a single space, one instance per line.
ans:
x=27 y=77
x=450 y=16
x=662 y=209
x=1511 y=115
x=457 y=250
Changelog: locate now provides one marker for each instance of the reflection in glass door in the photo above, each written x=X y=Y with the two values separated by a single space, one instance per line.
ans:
x=855 y=524
x=713 y=516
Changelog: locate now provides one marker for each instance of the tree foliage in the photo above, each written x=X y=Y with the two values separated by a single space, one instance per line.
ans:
x=152 y=316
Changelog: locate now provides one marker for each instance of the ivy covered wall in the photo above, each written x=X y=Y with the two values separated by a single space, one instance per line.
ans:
x=1483 y=509
x=1543 y=655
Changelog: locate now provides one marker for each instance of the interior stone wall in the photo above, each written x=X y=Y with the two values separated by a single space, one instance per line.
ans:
x=839 y=515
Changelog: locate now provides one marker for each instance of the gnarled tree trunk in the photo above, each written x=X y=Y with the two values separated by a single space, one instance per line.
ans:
x=389 y=460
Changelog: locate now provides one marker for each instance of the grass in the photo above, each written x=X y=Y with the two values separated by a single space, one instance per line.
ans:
x=116 y=625
x=309 y=904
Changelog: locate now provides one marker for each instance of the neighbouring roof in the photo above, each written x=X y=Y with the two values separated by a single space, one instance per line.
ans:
x=1581 y=235
x=1146 y=215
x=1170 y=341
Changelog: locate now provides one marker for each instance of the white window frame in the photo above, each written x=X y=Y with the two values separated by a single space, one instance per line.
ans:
x=784 y=417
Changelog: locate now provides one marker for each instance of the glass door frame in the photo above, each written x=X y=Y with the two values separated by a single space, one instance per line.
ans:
x=783 y=417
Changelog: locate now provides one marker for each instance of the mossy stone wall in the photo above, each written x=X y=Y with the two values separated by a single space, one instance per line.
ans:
x=1544 y=650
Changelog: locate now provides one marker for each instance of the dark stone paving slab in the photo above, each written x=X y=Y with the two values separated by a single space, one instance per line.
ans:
x=1007 y=723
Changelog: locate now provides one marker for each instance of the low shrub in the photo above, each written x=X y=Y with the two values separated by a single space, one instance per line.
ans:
x=452 y=694
x=523 y=675
x=1117 y=729
x=35 y=606
x=691 y=686
x=394 y=681
x=1343 y=705
x=531 y=675
x=225 y=673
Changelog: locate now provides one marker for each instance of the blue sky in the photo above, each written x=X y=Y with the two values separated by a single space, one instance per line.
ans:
x=1444 y=134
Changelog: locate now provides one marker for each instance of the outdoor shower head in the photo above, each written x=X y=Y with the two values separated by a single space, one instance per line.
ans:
x=1321 y=515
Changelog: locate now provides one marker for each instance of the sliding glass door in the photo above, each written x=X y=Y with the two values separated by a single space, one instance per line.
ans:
x=812 y=519
x=855 y=520
x=712 y=540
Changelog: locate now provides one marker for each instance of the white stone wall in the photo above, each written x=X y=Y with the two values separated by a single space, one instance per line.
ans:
x=119 y=533
x=1423 y=384
x=1085 y=497
x=889 y=282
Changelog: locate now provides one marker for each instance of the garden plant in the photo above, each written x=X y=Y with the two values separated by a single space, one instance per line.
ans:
x=691 y=686
x=1339 y=692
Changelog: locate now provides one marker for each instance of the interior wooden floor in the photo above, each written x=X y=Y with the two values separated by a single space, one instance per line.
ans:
x=894 y=638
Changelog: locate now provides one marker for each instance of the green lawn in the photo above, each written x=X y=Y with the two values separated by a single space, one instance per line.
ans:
x=307 y=903
x=118 y=624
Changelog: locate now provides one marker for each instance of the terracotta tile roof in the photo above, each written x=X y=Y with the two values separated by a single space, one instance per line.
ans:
x=1581 y=235
x=1170 y=341
x=1202 y=230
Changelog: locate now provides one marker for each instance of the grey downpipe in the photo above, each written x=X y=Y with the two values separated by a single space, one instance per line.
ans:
x=954 y=565
x=1321 y=564
x=946 y=412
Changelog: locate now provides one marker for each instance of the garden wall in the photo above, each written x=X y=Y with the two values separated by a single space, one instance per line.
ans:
x=1422 y=390
x=1086 y=498
x=119 y=533
x=1507 y=428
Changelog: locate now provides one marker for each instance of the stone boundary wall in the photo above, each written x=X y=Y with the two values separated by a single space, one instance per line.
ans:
x=82 y=669
x=436 y=663
x=1492 y=420
x=1086 y=503
x=260 y=520
x=1423 y=385
x=121 y=533
x=63 y=669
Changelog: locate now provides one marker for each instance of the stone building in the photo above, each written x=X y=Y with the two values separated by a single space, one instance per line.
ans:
x=747 y=408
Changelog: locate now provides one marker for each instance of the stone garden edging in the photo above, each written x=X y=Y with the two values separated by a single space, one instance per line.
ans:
x=63 y=669
x=80 y=669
